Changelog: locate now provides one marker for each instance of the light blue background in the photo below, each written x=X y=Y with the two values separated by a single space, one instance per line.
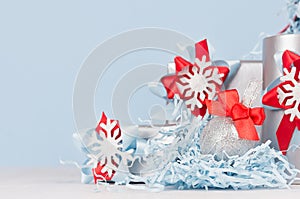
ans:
x=42 y=46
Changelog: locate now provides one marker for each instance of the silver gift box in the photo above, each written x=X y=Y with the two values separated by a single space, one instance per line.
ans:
x=271 y=71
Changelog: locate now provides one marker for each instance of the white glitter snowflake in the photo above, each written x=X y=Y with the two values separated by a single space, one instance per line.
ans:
x=198 y=84
x=107 y=147
x=292 y=96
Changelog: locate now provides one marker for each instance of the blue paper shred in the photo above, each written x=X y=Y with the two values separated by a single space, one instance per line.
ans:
x=260 y=167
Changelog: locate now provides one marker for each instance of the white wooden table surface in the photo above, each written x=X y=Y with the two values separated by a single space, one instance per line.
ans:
x=64 y=182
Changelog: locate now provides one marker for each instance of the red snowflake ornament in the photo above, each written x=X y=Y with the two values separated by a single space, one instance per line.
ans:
x=110 y=132
x=195 y=82
x=286 y=96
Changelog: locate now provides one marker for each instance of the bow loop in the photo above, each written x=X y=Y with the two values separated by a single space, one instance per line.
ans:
x=202 y=50
x=181 y=63
x=229 y=98
x=169 y=83
x=288 y=58
x=239 y=112
x=216 y=108
x=257 y=115
x=268 y=98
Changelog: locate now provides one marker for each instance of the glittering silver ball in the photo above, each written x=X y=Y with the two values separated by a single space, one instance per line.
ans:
x=220 y=135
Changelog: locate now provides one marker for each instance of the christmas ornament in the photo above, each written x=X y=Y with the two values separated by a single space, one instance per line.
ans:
x=195 y=82
x=233 y=132
x=104 y=149
x=284 y=94
x=215 y=150
x=220 y=138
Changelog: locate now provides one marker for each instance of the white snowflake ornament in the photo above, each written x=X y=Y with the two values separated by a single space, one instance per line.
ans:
x=289 y=94
x=195 y=83
x=106 y=149
x=286 y=97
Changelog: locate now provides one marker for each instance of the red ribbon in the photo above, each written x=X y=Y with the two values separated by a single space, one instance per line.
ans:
x=169 y=81
x=286 y=127
x=244 y=118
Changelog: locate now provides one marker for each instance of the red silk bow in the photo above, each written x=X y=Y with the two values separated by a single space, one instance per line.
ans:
x=286 y=127
x=244 y=118
x=170 y=81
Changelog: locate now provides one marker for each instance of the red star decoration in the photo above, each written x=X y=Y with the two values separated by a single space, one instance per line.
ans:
x=170 y=81
x=286 y=127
